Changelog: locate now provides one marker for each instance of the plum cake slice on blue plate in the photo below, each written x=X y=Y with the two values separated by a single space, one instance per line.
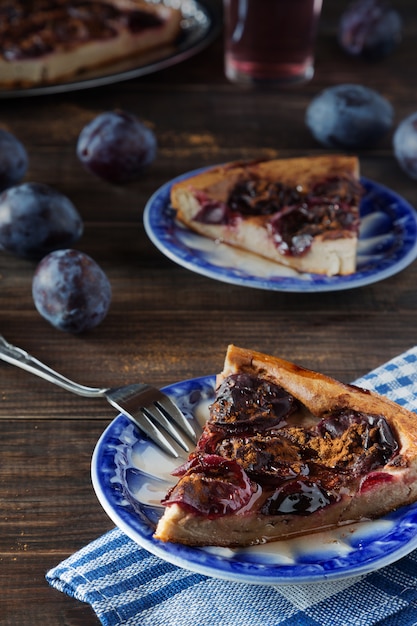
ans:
x=287 y=451
x=301 y=212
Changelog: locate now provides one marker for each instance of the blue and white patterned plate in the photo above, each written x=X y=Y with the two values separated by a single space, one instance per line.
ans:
x=130 y=476
x=388 y=244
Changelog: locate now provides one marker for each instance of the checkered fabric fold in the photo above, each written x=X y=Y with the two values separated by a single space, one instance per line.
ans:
x=126 y=585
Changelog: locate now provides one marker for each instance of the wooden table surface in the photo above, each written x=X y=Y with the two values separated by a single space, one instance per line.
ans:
x=167 y=323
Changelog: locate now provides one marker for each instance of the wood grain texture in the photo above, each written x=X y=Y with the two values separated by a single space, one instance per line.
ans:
x=167 y=323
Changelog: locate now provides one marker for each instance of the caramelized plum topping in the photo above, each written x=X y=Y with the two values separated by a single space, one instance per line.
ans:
x=250 y=447
x=295 y=227
x=210 y=439
x=212 y=486
x=31 y=29
x=296 y=215
x=375 y=478
x=297 y=497
x=327 y=208
x=265 y=459
x=141 y=20
x=212 y=212
x=246 y=403
x=369 y=441
x=260 y=197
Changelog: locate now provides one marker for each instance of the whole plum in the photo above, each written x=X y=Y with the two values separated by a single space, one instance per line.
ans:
x=13 y=160
x=405 y=145
x=36 y=219
x=370 y=29
x=71 y=291
x=116 y=146
x=349 y=116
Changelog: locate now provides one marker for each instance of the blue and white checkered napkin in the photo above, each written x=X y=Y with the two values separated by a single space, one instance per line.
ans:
x=127 y=585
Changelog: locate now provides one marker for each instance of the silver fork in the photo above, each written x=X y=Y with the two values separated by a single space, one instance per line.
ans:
x=152 y=411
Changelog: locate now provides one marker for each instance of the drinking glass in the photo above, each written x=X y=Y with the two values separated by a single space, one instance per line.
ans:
x=270 y=41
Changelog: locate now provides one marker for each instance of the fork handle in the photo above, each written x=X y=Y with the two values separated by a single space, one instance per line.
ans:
x=20 y=358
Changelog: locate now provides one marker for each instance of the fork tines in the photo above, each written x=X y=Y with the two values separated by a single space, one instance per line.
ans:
x=164 y=412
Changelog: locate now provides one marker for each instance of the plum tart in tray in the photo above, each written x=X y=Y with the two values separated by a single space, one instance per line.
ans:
x=52 y=41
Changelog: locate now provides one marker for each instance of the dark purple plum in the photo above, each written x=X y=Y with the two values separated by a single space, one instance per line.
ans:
x=71 y=291
x=405 y=145
x=116 y=146
x=36 y=219
x=370 y=29
x=13 y=160
x=349 y=116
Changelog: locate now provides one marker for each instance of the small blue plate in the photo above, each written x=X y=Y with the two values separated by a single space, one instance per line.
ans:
x=387 y=245
x=130 y=476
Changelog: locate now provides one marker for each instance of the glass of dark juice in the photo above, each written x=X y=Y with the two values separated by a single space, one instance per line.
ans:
x=270 y=41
